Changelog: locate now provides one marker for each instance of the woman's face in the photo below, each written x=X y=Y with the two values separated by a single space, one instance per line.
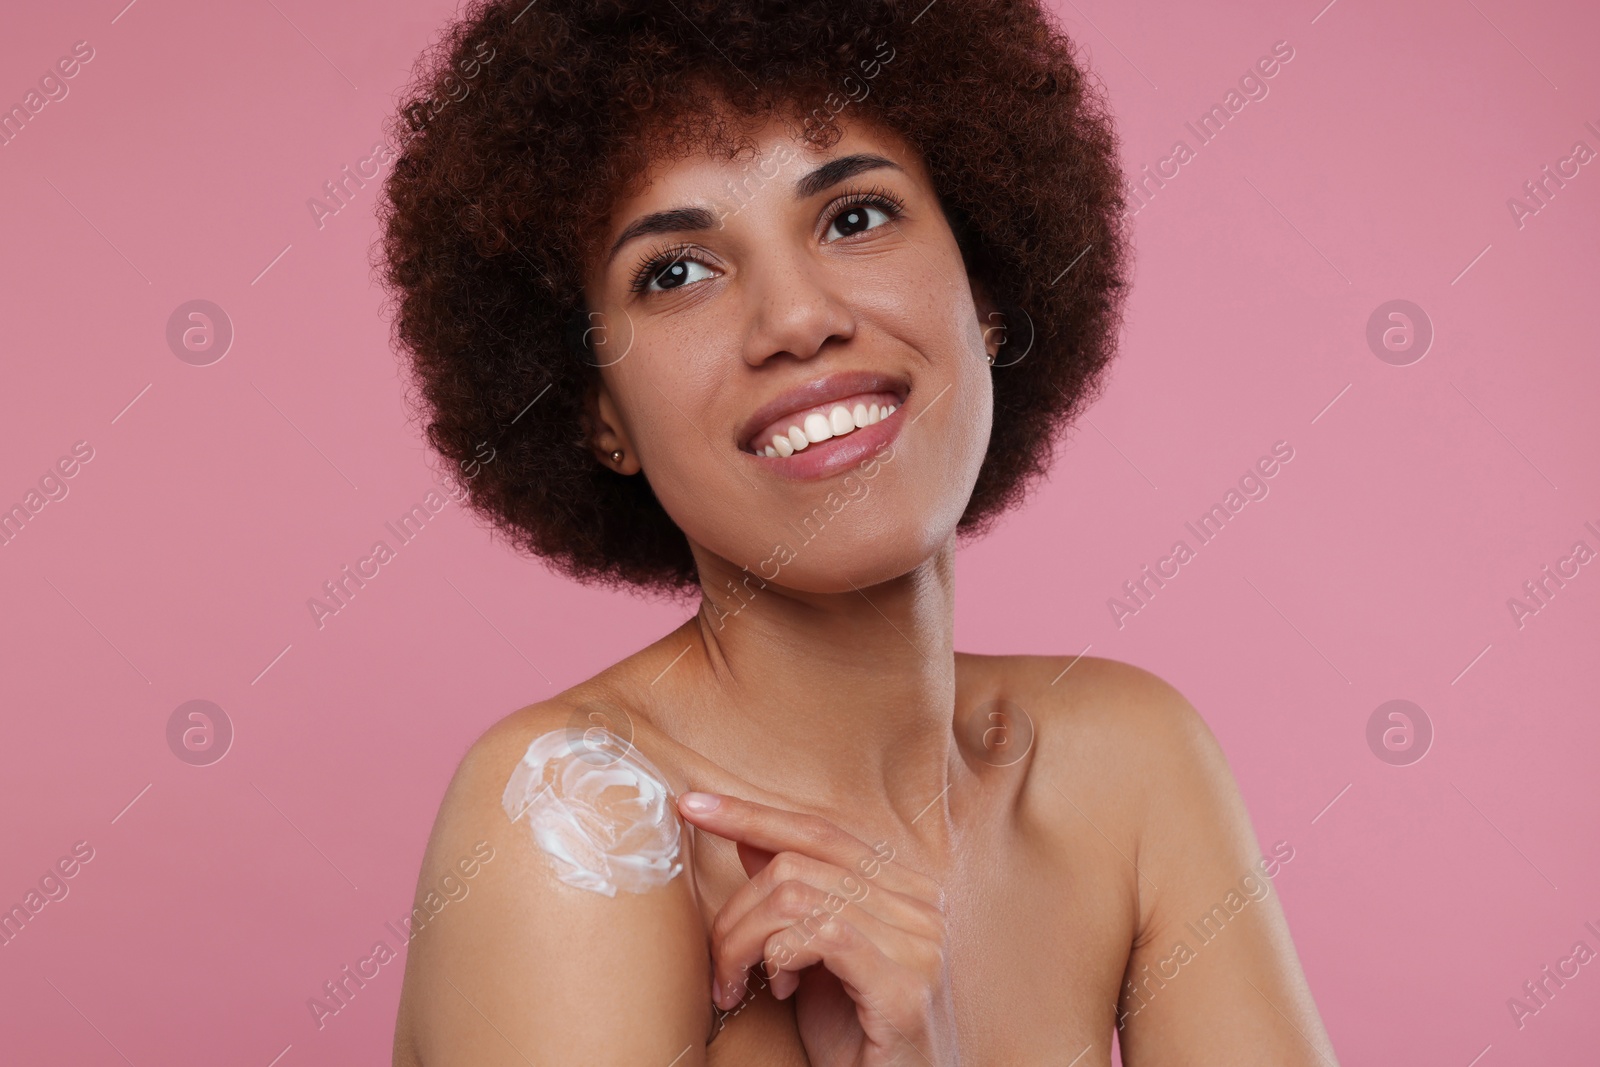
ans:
x=794 y=295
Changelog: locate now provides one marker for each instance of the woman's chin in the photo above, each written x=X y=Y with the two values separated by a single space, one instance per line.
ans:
x=833 y=562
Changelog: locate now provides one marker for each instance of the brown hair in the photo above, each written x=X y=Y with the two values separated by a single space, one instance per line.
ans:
x=526 y=120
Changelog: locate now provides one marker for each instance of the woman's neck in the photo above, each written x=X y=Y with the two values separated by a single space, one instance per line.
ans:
x=835 y=700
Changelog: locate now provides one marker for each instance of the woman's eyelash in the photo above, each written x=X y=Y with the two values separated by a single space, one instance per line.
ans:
x=873 y=196
x=658 y=262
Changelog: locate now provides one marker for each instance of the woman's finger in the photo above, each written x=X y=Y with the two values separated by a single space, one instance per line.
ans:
x=839 y=886
x=775 y=830
x=898 y=1000
x=800 y=913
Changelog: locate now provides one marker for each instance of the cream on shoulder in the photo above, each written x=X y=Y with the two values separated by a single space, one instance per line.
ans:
x=598 y=808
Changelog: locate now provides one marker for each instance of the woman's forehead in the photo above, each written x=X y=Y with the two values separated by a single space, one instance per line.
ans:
x=776 y=144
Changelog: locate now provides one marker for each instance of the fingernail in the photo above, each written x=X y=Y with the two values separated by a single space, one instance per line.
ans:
x=715 y=996
x=701 y=802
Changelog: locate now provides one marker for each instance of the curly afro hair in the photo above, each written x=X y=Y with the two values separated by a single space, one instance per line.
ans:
x=525 y=121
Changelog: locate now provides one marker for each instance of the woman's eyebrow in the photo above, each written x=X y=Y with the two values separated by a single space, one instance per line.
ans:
x=837 y=170
x=681 y=219
x=673 y=221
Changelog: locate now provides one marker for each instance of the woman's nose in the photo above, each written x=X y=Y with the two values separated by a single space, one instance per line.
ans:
x=795 y=308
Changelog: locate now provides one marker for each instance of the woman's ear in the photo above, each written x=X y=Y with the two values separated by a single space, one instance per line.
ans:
x=991 y=319
x=608 y=438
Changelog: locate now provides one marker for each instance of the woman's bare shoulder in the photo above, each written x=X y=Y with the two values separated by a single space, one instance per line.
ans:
x=1121 y=746
x=606 y=703
x=1109 y=739
x=562 y=947
x=1123 y=751
x=1078 y=700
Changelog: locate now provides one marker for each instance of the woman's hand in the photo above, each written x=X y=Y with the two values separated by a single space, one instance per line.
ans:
x=818 y=895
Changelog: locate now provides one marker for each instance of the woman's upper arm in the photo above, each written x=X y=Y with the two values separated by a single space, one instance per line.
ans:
x=1213 y=977
x=525 y=969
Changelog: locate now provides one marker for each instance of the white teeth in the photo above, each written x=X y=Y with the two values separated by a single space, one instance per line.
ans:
x=821 y=426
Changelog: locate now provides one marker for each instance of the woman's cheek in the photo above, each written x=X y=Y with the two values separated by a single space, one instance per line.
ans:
x=705 y=496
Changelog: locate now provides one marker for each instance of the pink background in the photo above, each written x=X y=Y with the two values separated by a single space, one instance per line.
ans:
x=220 y=498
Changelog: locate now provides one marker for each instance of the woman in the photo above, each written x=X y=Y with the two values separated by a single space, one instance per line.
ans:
x=768 y=303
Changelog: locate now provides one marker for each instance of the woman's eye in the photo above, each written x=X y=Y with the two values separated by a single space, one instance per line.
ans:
x=678 y=274
x=856 y=218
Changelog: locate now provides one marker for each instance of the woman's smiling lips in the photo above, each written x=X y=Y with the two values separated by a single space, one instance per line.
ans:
x=825 y=425
x=811 y=426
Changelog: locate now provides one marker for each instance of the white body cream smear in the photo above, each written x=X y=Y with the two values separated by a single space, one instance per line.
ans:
x=598 y=808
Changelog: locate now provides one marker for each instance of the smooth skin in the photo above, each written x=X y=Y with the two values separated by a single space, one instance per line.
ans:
x=916 y=855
